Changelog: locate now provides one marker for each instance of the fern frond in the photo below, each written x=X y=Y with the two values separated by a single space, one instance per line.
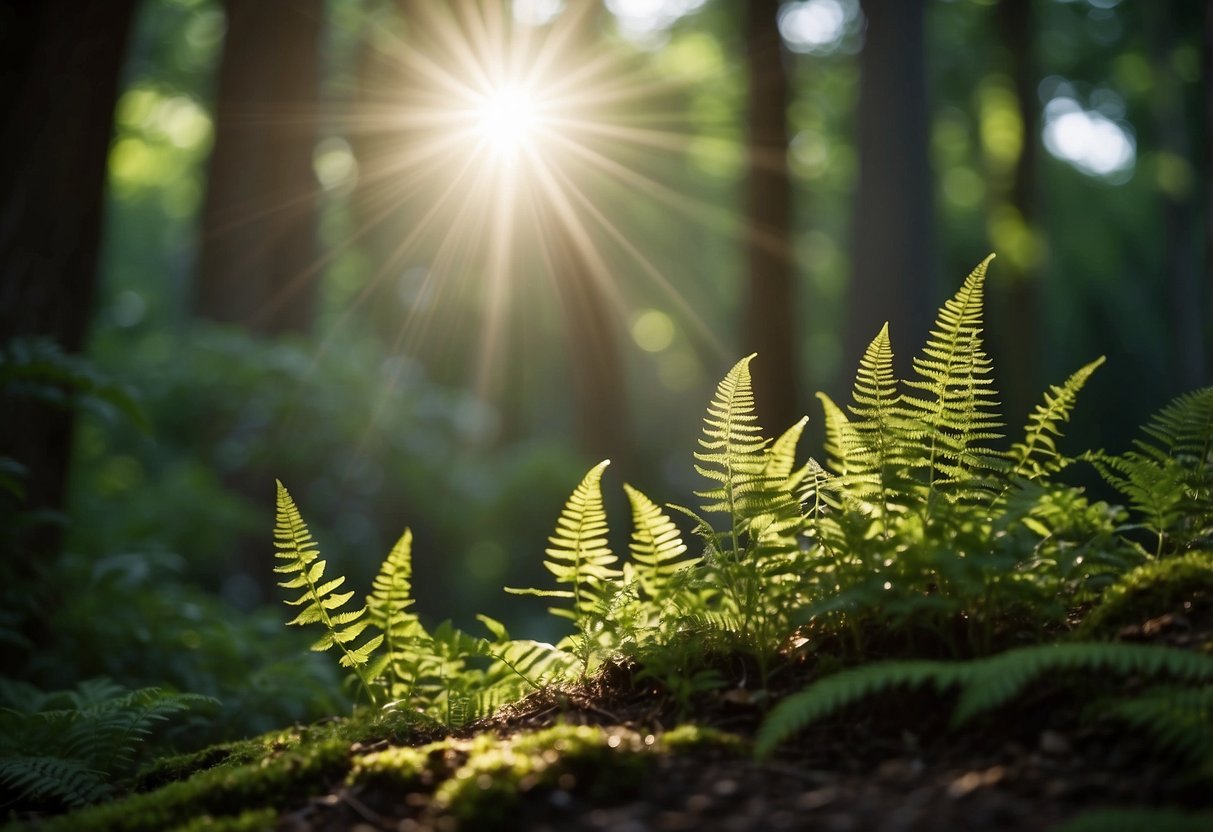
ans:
x=1037 y=455
x=388 y=610
x=1169 y=480
x=300 y=558
x=986 y=683
x=875 y=430
x=994 y=681
x=839 y=439
x=732 y=447
x=1178 y=720
x=69 y=782
x=833 y=693
x=951 y=415
x=656 y=546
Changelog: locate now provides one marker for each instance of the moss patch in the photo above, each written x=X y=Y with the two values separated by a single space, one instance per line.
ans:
x=1153 y=589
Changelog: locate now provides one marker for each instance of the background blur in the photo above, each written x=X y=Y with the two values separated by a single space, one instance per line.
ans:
x=262 y=256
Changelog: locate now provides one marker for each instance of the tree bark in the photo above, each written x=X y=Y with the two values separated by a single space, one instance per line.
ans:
x=769 y=321
x=1014 y=311
x=891 y=277
x=61 y=62
x=258 y=262
x=1186 y=302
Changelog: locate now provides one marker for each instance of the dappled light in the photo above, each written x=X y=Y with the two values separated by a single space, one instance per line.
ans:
x=449 y=415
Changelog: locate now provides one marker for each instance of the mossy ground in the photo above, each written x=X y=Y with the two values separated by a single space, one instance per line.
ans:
x=615 y=753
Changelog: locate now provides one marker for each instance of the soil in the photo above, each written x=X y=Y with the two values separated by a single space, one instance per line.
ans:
x=888 y=765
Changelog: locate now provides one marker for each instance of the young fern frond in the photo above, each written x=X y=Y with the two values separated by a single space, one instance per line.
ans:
x=656 y=546
x=321 y=604
x=732 y=454
x=1037 y=455
x=985 y=683
x=950 y=415
x=875 y=430
x=840 y=441
x=580 y=558
x=388 y=610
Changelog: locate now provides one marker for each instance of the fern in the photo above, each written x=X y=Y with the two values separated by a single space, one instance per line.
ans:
x=580 y=558
x=876 y=432
x=320 y=602
x=985 y=684
x=1168 y=477
x=1037 y=455
x=66 y=748
x=1179 y=721
x=732 y=455
x=656 y=546
x=950 y=414
x=388 y=610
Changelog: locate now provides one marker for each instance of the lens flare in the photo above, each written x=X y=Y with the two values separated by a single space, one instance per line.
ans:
x=507 y=120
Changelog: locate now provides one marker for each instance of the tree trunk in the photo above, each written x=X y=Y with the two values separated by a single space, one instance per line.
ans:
x=1186 y=302
x=61 y=63
x=769 y=322
x=258 y=263
x=892 y=233
x=1014 y=312
x=1207 y=80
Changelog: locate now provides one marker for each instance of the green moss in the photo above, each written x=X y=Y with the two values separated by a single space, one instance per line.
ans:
x=253 y=820
x=1150 y=590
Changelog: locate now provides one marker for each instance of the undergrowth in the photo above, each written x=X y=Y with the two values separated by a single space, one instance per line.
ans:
x=922 y=529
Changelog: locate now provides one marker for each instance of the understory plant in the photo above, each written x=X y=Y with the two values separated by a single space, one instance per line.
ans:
x=920 y=528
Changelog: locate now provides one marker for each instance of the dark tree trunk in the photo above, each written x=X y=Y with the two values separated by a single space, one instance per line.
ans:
x=892 y=233
x=258 y=264
x=770 y=309
x=1207 y=79
x=61 y=62
x=1014 y=312
x=1186 y=302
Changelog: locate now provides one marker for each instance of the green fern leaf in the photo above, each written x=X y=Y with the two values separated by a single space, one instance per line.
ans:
x=994 y=681
x=833 y=693
x=656 y=546
x=1037 y=455
x=950 y=416
x=388 y=610
x=732 y=448
x=300 y=558
x=876 y=430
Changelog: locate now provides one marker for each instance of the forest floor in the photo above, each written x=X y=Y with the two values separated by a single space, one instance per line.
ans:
x=890 y=764
x=610 y=755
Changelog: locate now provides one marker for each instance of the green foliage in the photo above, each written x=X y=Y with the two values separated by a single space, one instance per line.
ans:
x=67 y=748
x=1137 y=820
x=1168 y=476
x=985 y=684
x=580 y=558
x=39 y=369
x=1178 y=720
x=320 y=601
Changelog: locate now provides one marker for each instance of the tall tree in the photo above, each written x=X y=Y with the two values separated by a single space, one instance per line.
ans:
x=891 y=261
x=60 y=62
x=1186 y=299
x=770 y=305
x=258 y=263
x=1015 y=290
